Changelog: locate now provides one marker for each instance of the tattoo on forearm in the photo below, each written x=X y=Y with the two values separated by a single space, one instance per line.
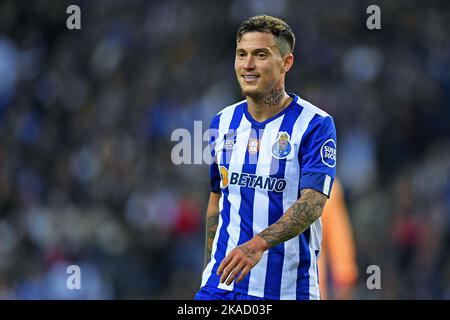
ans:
x=212 y=222
x=274 y=98
x=211 y=225
x=296 y=219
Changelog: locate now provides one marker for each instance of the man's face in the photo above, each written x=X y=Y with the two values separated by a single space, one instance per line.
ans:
x=258 y=64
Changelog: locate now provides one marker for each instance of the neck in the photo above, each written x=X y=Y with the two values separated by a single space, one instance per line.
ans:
x=263 y=108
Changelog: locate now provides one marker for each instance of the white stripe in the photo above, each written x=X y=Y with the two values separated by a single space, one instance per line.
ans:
x=261 y=205
x=308 y=105
x=314 y=244
x=292 y=176
x=224 y=124
x=234 y=195
x=326 y=185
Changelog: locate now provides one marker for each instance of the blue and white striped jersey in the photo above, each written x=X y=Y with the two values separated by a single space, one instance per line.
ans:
x=260 y=169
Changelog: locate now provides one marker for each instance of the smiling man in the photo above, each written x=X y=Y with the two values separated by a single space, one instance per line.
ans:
x=275 y=160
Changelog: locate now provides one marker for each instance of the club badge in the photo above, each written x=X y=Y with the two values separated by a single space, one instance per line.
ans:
x=282 y=146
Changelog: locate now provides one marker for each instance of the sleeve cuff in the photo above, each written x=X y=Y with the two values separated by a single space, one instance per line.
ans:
x=318 y=181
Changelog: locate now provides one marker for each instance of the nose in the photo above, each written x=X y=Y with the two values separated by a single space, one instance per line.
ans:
x=249 y=63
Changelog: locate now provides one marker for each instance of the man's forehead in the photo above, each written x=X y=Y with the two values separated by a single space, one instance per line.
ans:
x=254 y=40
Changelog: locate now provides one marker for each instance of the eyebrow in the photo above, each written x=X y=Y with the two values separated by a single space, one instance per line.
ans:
x=258 y=50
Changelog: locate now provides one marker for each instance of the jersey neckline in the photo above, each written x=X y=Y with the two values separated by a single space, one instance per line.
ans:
x=263 y=123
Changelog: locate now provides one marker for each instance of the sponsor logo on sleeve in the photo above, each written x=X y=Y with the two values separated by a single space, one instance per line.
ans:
x=328 y=153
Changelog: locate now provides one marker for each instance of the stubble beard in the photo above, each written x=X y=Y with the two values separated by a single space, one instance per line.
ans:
x=258 y=95
x=254 y=94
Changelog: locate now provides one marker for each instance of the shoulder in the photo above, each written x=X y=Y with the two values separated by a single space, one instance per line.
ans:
x=231 y=108
x=311 y=108
x=318 y=119
x=319 y=125
x=228 y=111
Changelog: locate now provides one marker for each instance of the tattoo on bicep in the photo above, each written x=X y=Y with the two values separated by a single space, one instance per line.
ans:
x=274 y=98
x=297 y=219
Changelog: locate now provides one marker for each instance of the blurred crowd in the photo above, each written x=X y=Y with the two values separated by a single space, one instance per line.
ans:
x=86 y=117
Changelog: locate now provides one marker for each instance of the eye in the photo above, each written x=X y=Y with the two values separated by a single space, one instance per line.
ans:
x=240 y=54
x=261 y=55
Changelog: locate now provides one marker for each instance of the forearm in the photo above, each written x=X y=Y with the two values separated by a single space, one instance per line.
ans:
x=212 y=221
x=296 y=219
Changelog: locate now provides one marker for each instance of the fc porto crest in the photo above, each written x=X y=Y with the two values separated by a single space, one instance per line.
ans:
x=282 y=146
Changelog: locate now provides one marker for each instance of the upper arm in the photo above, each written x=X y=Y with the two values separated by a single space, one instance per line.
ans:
x=214 y=178
x=214 y=173
x=318 y=155
x=315 y=201
x=213 y=203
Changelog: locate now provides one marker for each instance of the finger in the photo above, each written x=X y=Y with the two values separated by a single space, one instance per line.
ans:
x=224 y=263
x=243 y=274
x=235 y=272
x=228 y=269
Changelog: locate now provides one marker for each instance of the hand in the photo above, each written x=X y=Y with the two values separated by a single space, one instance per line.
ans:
x=241 y=260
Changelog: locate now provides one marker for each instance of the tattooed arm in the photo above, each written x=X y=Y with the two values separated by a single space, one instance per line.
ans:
x=293 y=222
x=212 y=220
x=297 y=219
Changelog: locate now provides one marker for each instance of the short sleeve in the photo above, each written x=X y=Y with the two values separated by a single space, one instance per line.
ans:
x=318 y=155
x=214 y=174
x=214 y=178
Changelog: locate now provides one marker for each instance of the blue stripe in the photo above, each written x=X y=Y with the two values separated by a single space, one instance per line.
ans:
x=305 y=257
x=306 y=137
x=303 y=276
x=222 y=242
x=317 y=267
x=303 y=269
x=311 y=125
x=214 y=126
x=275 y=257
x=214 y=174
x=247 y=200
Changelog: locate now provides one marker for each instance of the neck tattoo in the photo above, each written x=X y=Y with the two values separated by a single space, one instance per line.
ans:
x=274 y=98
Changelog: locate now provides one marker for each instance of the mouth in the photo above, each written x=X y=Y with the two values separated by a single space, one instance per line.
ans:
x=249 y=78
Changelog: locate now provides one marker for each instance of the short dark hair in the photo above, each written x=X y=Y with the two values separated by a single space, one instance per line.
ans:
x=264 y=23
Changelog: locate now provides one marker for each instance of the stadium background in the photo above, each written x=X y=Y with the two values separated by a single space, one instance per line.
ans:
x=86 y=116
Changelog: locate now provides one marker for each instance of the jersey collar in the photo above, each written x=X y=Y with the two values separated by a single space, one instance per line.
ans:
x=263 y=123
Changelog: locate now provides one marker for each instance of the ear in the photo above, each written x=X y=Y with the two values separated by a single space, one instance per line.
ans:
x=288 y=62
